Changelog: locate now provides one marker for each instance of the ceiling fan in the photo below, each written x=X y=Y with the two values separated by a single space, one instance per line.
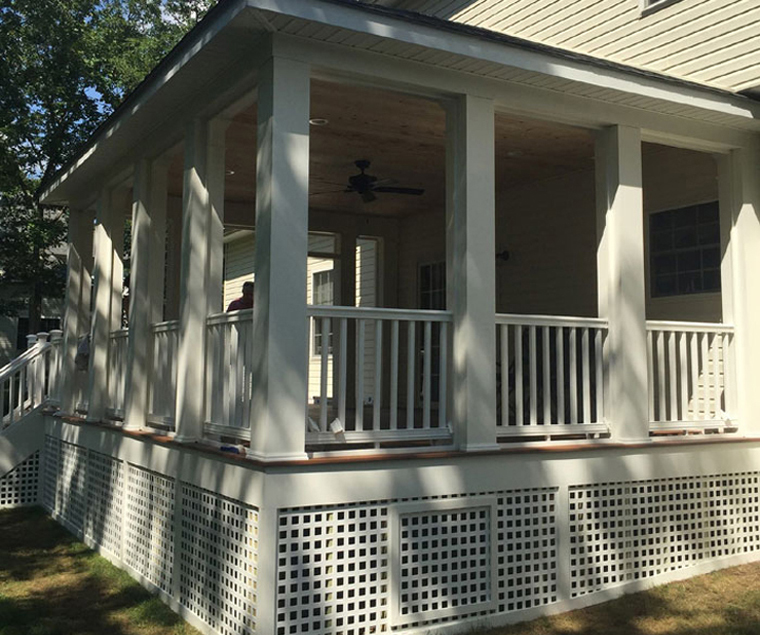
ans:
x=366 y=185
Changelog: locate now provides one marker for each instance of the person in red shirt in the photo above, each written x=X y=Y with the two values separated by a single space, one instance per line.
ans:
x=245 y=301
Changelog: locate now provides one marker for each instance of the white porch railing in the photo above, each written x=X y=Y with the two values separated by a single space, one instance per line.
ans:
x=163 y=383
x=390 y=375
x=229 y=373
x=689 y=371
x=550 y=375
x=32 y=379
x=117 y=371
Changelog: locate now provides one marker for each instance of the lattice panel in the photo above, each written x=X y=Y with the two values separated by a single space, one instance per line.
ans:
x=19 y=486
x=218 y=560
x=71 y=495
x=732 y=513
x=639 y=529
x=333 y=572
x=105 y=492
x=526 y=548
x=50 y=464
x=149 y=545
x=445 y=561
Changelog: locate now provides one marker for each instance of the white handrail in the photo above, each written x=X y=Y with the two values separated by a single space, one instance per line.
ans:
x=550 y=320
x=232 y=317
x=372 y=313
x=689 y=327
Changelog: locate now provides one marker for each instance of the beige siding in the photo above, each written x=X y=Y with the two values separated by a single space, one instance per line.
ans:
x=238 y=265
x=716 y=42
x=549 y=229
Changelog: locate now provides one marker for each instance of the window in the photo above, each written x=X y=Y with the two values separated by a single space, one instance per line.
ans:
x=684 y=248
x=322 y=293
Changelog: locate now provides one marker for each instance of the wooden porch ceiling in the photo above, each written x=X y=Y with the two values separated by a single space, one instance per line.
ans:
x=404 y=138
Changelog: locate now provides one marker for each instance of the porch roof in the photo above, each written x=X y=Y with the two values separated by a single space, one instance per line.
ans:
x=215 y=58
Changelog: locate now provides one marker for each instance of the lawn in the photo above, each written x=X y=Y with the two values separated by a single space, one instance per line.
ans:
x=52 y=584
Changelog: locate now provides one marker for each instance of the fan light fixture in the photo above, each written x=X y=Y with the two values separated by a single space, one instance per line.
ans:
x=318 y=121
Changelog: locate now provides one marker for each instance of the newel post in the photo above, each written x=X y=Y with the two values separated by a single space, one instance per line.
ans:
x=621 y=288
x=278 y=411
x=471 y=269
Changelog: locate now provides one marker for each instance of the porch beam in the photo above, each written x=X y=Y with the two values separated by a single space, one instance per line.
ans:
x=193 y=298
x=739 y=191
x=621 y=288
x=77 y=308
x=137 y=370
x=471 y=269
x=106 y=218
x=278 y=412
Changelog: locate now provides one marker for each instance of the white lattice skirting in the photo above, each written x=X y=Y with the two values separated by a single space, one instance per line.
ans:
x=386 y=564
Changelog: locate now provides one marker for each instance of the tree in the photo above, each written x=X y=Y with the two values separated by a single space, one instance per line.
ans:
x=64 y=66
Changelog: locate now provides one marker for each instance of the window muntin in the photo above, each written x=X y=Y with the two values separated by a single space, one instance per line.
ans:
x=684 y=251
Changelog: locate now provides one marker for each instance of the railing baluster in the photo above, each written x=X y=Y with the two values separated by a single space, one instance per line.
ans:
x=426 y=377
x=378 y=387
x=532 y=375
x=672 y=377
x=599 y=374
x=393 y=415
x=716 y=377
x=504 y=328
x=443 y=344
x=546 y=354
x=573 y=375
x=343 y=364
x=519 y=419
x=684 y=376
x=360 y=342
x=560 y=374
x=410 y=370
x=694 y=354
x=323 y=368
x=586 y=377
x=650 y=375
x=661 y=379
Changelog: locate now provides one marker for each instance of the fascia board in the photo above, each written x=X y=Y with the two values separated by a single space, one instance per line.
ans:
x=451 y=38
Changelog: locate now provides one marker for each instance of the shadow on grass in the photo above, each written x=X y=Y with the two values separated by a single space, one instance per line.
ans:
x=51 y=584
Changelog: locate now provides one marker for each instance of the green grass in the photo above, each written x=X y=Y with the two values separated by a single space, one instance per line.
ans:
x=725 y=602
x=52 y=584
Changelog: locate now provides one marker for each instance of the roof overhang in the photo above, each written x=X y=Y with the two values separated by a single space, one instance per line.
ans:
x=222 y=49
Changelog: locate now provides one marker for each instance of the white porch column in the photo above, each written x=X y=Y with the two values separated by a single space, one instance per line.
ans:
x=158 y=205
x=136 y=388
x=104 y=283
x=471 y=269
x=77 y=310
x=282 y=206
x=739 y=185
x=215 y=184
x=621 y=289
x=193 y=298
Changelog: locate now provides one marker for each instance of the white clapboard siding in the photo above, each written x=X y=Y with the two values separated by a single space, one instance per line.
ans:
x=711 y=41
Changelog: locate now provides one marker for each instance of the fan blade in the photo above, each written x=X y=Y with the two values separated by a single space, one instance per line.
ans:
x=399 y=190
x=328 y=192
x=368 y=196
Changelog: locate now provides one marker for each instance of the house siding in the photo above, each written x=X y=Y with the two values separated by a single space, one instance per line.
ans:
x=714 y=42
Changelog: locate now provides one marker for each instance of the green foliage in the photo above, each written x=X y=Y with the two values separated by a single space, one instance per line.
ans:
x=64 y=66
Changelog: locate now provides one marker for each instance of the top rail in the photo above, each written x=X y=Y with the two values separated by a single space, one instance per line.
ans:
x=23 y=359
x=121 y=333
x=165 y=327
x=243 y=315
x=689 y=327
x=372 y=313
x=550 y=320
